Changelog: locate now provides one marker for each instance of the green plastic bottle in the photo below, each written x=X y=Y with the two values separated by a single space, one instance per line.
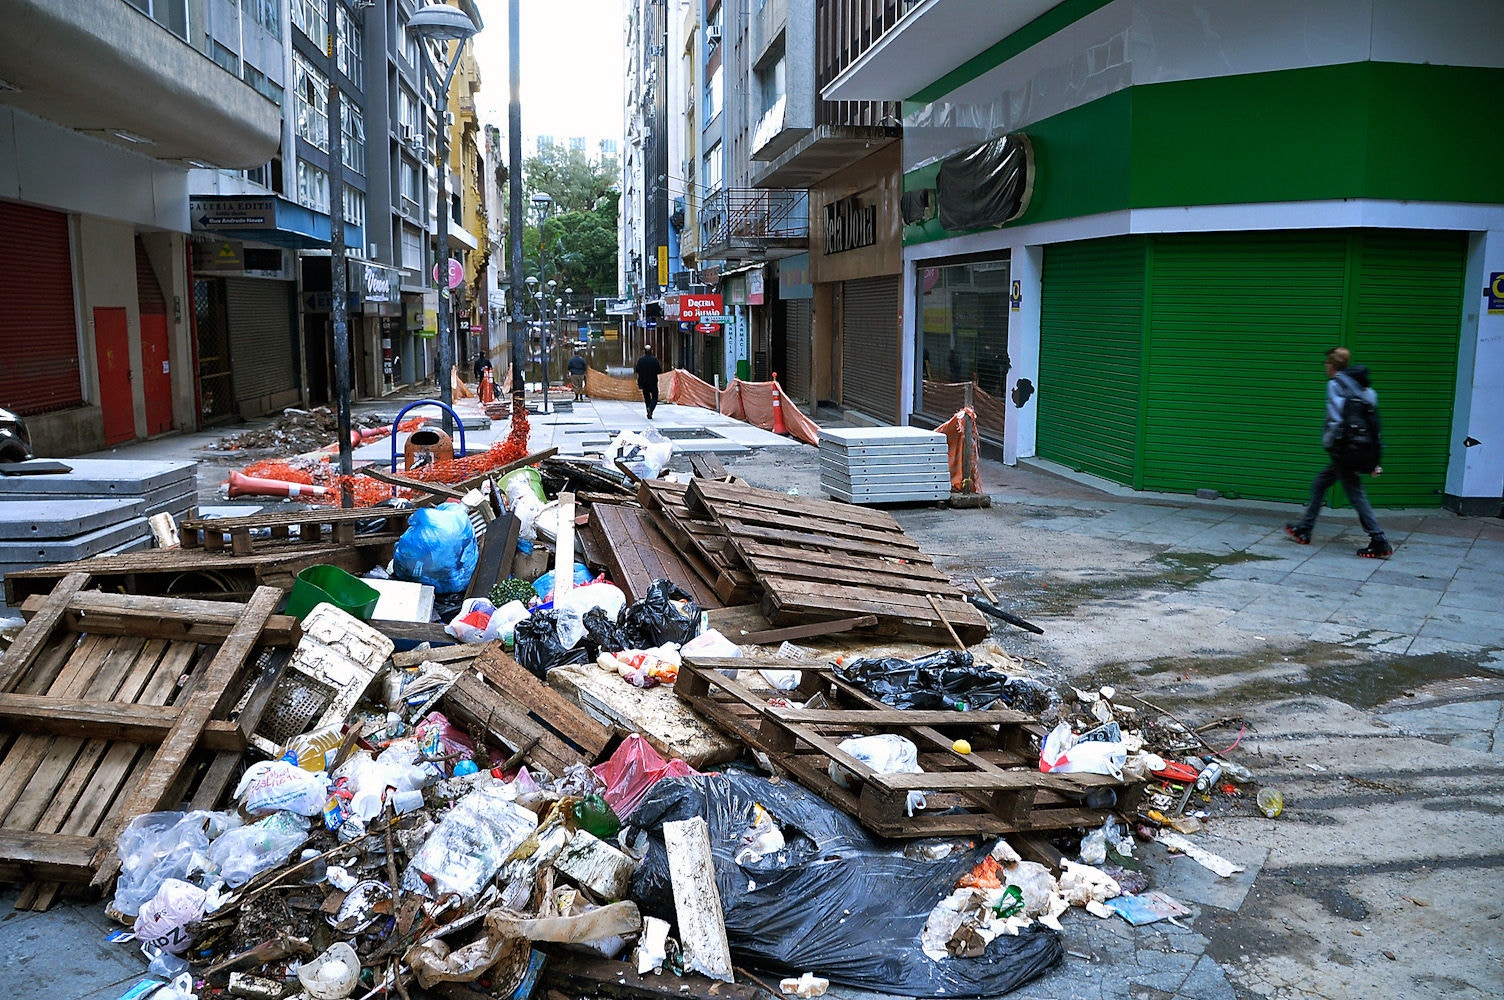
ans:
x=595 y=815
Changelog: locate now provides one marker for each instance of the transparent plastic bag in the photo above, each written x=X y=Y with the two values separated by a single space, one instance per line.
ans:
x=246 y=851
x=163 y=845
x=470 y=844
x=277 y=785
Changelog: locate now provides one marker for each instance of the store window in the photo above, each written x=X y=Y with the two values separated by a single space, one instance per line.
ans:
x=963 y=322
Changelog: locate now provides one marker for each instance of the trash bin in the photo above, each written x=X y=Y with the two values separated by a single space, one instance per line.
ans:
x=331 y=585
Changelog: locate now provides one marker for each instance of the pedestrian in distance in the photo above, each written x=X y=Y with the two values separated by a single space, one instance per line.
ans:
x=1351 y=439
x=577 y=369
x=648 y=369
x=480 y=366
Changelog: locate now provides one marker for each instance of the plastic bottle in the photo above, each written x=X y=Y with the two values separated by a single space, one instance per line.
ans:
x=312 y=748
x=1271 y=802
x=1207 y=779
x=1236 y=773
x=594 y=815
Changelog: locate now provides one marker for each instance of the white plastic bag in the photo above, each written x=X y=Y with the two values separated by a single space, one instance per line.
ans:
x=468 y=631
x=1063 y=754
x=277 y=785
x=711 y=643
x=646 y=452
x=267 y=843
x=606 y=596
x=164 y=919
x=885 y=753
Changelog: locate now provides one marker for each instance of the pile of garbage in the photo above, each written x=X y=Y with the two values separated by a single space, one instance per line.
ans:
x=294 y=432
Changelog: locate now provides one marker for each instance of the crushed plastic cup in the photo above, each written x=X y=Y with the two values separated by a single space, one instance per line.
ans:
x=1271 y=802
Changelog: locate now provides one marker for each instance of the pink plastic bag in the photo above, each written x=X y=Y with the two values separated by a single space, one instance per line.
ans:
x=633 y=769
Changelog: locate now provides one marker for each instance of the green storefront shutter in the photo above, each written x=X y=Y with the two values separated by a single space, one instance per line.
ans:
x=1234 y=383
x=1090 y=354
x=1406 y=320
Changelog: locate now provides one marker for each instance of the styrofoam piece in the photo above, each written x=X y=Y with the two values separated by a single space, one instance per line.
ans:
x=56 y=550
x=28 y=518
x=92 y=477
x=697 y=902
x=402 y=601
x=594 y=864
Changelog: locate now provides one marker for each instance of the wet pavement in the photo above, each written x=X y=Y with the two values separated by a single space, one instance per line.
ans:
x=1370 y=692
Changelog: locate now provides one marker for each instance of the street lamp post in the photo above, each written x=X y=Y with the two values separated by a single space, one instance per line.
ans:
x=443 y=23
x=542 y=205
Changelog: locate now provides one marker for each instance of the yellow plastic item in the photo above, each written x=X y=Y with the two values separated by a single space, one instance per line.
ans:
x=961 y=746
x=313 y=748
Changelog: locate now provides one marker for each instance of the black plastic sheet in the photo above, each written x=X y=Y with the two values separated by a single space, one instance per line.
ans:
x=835 y=900
x=947 y=679
x=602 y=633
x=656 y=619
x=987 y=185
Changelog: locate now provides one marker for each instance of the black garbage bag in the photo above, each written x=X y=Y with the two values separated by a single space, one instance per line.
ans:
x=602 y=632
x=835 y=900
x=947 y=679
x=656 y=619
x=538 y=646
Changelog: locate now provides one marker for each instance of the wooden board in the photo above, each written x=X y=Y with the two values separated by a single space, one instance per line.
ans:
x=703 y=542
x=669 y=725
x=995 y=789
x=637 y=554
x=118 y=706
x=514 y=708
x=498 y=546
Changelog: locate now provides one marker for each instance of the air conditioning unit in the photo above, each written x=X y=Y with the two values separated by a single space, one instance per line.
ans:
x=409 y=134
x=713 y=33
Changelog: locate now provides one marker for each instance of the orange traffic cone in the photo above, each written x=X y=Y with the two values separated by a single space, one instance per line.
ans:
x=778 y=426
x=254 y=486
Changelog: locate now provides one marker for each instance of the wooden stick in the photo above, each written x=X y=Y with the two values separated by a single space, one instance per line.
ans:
x=1192 y=732
x=986 y=590
x=941 y=615
x=564 y=548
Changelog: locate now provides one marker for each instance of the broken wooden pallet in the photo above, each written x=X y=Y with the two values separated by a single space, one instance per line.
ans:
x=114 y=706
x=996 y=789
x=512 y=707
x=637 y=553
x=817 y=560
x=704 y=543
x=236 y=533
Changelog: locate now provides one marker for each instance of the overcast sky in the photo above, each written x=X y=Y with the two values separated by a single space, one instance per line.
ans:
x=571 y=67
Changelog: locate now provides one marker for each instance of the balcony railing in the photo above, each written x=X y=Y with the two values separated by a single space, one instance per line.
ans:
x=887 y=114
x=749 y=219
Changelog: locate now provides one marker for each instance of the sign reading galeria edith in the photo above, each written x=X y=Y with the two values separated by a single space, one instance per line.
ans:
x=849 y=225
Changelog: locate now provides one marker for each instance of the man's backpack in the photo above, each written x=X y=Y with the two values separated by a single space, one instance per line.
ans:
x=1357 y=444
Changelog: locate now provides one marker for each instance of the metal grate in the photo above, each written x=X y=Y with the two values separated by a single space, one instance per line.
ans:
x=689 y=434
x=212 y=325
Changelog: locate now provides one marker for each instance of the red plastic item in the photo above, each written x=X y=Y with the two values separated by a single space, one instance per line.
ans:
x=983 y=876
x=1176 y=771
x=633 y=769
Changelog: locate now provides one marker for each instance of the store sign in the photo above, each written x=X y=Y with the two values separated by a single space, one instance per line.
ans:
x=671 y=307
x=793 y=278
x=756 y=287
x=707 y=328
x=849 y=225
x=692 y=307
x=1496 y=292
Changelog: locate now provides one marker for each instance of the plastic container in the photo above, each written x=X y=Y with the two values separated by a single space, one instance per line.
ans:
x=1271 y=802
x=312 y=749
x=520 y=482
x=332 y=975
x=331 y=585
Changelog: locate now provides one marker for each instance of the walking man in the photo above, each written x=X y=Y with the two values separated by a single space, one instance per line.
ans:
x=577 y=368
x=1344 y=381
x=648 y=369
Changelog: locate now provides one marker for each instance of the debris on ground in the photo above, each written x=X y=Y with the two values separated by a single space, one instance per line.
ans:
x=528 y=723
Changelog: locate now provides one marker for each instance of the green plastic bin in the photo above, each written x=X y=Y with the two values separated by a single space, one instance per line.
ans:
x=331 y=585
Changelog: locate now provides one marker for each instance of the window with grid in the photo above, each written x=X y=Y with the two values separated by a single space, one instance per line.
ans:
x=313 y=187
x=266 y=14
x=312 y=18
x=353 y=133
x=355 y=206
x=350 y=53
x=311 y=90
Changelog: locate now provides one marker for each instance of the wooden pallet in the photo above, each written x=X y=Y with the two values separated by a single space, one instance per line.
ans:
x=817 y=560
x=996 y=789
x=637 y=553
x=517 y=710
x=707 y=549
x=112 y=706
x=199 y=573
x=235 y=533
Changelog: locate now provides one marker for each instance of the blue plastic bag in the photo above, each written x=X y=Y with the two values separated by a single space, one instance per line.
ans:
x=438 y=548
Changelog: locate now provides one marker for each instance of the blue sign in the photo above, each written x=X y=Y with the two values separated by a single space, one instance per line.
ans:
x=1496 y=292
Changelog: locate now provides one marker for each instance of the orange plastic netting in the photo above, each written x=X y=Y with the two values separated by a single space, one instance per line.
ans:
x=956 y=441
x=368 y=492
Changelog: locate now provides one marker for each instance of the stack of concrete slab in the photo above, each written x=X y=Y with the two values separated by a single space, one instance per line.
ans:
x=884 y=464
x=101 y=506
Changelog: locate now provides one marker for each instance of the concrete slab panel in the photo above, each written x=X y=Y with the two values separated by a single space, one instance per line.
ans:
x=44 y=551
x=104 y=477
x=25 y=518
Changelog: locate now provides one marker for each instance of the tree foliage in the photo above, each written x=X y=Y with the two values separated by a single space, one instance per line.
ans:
x=579 y=236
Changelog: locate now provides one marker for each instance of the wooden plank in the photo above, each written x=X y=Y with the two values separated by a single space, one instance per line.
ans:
x=161 y=617
x=564 y=547
x=735 y=518
x=438 y=654
x=495 y=548
x=824 y=543
x=28 y=645
x=697 y=902
x=706 y=493
x=105 y=720
x=173 y=753
x=586 y=736
x=48 y=856
x=916 y=569
x=473 y=701
x=810 y=631
x=637 y=554
x=415 y=485
x=707 y=465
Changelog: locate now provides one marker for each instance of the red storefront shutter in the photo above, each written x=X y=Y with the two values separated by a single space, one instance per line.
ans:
x=37 y=326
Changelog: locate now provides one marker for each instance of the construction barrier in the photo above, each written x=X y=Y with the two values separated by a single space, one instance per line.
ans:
x=748 y=401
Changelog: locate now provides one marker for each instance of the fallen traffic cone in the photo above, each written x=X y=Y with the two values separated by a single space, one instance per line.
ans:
x=778 y=426
x=255 y=486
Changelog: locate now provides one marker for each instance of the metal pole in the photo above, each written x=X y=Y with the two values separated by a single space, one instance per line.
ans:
x=338 y=306
x=441 y=262
x=516 y=328
x=543 y=312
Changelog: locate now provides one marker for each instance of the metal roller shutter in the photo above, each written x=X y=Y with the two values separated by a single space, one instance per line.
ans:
x=797 y=330
x=869 y=346
x=1090 y=348
x=261 y=338
x=36 y=285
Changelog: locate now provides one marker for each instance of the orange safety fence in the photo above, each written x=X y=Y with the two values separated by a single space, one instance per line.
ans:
x=367 y=492
x=957 y=441
x=748 y=401
x=753 y=402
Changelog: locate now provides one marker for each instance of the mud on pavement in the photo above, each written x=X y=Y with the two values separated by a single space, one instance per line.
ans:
x=1378 y=719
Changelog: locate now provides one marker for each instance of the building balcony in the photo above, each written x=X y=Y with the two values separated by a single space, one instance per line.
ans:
x=754 y=224
x=106 y=69
x=845 y=132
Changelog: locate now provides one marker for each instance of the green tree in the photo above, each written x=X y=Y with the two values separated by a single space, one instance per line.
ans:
x=579 y=237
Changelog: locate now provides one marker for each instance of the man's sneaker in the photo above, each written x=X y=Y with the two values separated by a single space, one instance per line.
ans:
x=1377 y=548
x=1301 y=537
